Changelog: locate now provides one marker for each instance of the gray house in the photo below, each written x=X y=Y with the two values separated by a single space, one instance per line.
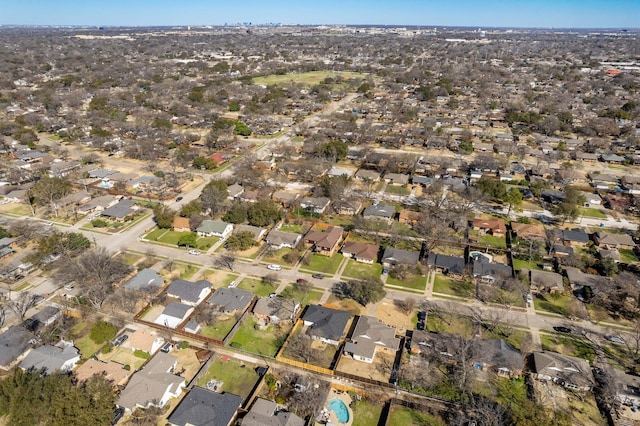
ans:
x=266 y=413
x=326 y=324
x=145 y=279
x=188 y=292
x=203 y=407
x=61 y=357
x=231 y=300
x=393 y=256
x=381 y=212
x=214 y=228
x=281 y=239
x=121 y=210
x=13 y=345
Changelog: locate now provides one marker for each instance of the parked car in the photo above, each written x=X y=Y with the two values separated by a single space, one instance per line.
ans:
x=616 y=339
x=274 y=267
x=301 y=281
x=562 y=329
x=421 y=326
x=233 y=284
x=117 y=415
x=120 y=340
x=48 y=224
x=68 y=287
x=166 y=348
x=179 y=198
x=422 y=315
x=194 y=252
x=318 y=276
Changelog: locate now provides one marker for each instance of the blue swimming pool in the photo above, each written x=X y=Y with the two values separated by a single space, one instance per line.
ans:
x=338 y=407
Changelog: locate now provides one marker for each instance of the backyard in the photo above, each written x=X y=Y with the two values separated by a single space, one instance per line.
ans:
x=220 y=328
x=399 y=415
x=252 y=339
x=324 y=264
x=486 y=240
x=366 y=413
x=237 y=377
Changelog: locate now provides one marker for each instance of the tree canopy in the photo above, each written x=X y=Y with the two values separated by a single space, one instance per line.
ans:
x=264 y=213
x=368 y=290
x=241 y=241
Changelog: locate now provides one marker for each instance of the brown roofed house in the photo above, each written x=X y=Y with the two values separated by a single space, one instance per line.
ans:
x=181 y=224
x=110 y=370
x=495 y=227
x=528 y=231
x=361 y=252
x=324 y=242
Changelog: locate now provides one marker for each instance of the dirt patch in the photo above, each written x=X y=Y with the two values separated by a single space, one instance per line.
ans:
x=188 y=361
x=154 y=313
x=387 y=312
x=379 y=370
x=583 y=408
x=125 y=357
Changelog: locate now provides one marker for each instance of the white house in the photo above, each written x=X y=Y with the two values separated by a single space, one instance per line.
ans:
x=214 y=228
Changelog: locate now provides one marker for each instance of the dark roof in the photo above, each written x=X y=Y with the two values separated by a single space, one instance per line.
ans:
x=122 y=209
x=176 y=310
x=42 y=318
x=186 y=290
x=576 y=235
x=202 y=407
x=13 y=343
x=327 y=323
x=231 y=299
x=453 y=264
x=380 y=210
x=395 y=256
x=484 y=269
x=499 y=353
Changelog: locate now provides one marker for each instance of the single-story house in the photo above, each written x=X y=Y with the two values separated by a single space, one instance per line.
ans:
x=14 y=343
x=617 y=241
x=231 y=300
x=426 y=343
x=214 y=228
x=234 y=191
x=48 y=358
x=287 y=199
x=380 y=212
x=181 y=224
x=315 y=204
x=452 y=266
x=528 y=231
x=498 y=356
x=574 y=237
x=396 y=178
x=349 y=207
x=120 y=210
x=564 y=370
x=486 y=271
x=393 y=256
x=368 y=175
x=369 y=336
x=145 y=279
x=324 y=241
x=326 y=324
x=360 y=252
x=545 y=280
x=142 y=340
x=495 y=227
x=174 y=314
x=274 y=310
x=203 y=407
x=267 y=413
x=154 y=385
x=256 y=231
x=110 y=370
x=189 y=293
x=281 y=239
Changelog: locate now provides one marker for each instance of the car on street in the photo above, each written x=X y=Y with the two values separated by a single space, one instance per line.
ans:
x=529 y=299
x=48 y=224
x=274 y=267
x=301 y=281
x=560 y=329
x=68 y=287
x=616 y=339
x=318 y=276
x=179 y=198
x=194 y=252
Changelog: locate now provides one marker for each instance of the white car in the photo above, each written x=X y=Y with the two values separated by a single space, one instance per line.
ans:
x=273 y=267
x=233 y=284
x=48 y=224
x=194 y=252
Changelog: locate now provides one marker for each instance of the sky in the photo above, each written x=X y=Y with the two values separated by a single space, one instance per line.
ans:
x=473 y=13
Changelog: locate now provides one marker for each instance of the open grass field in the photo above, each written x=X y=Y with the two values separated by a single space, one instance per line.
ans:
x=236 y=377
x=592 y=212
x=554 y=303
x=310 y=298
x=307 y=78
x=265 y=342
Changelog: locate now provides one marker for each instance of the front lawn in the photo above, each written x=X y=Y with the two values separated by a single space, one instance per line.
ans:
x=219 y=329
x=129 y=258
x=399 y=415
x=278 y=256
x=458 y=288
x=519 y=264
x=359 y=270
x=627 y=256
x=343 y=305
x=417 y=282
x=366 y=413
x=573 y=346
x=444 y=321
x=265 y=342
x=555 y=303
x=324 y=264
x=237 y=377
x=179 y=270
x=296 y=227
x=310 y=298
x=398 y=190
x=257 y=287
x=591 y=212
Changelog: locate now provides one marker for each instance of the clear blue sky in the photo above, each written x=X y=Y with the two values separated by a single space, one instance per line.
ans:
x=475 y=13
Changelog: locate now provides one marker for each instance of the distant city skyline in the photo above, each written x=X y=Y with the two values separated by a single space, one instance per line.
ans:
x=470 y=13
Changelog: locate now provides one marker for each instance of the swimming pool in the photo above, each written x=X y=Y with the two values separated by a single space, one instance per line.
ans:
x=338 y=407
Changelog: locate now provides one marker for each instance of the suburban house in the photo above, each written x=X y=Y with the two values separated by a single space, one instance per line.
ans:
x=495 y=227
x=368 y=175
x=360 y=252
x=281 y=239
x=396 y=179
x=173 y=314
x=7 y=246
x=452 y=266
x=498 y=356
x=429 y=343
x=393 y=257
x=564 y=370
x=110 y=370
x=324 y=241
x=528 y=231
x=488 y=272
x=46 y=316
x=257 y=232
x=267 y=413
x=189 y=293
x=560 y=250
x=181 y=224
x=14 y=343
x=234 y=191
x=203 y=407
x=48 y=358
x=326 y=324
x=616 y=241
x=154 y=385
x=574 y=237
x=214 y=228
x=231 y=300
x=627 y=387
x=316 y=205
x=285 y=198
x=369 y=336
x=121 y=210
x=347 y=207
x=580 y=280
x=379 y=212
x=274 y=310
x=145 y=279
x=544 y=281
x=141 y=340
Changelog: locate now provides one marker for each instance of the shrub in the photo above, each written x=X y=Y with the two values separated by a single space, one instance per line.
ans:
x=141 y=354
x=183 y=345
x=107 y=348
x=102 y=332
x=99 y=223
x=127 y=367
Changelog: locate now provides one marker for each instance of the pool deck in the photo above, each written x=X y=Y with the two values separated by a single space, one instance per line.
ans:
x=344 y=397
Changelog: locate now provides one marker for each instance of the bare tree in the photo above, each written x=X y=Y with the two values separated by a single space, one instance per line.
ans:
x=21 y=304
x=225 y=261
x=407 y=305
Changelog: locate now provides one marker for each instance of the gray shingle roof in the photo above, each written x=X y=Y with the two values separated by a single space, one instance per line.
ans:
x=120 y=210
x=203 y=407
x=49 y=358
x=13 y=343
x=395 y=256
x=265 y=413
x=212 y=226
x=231 y=299
x=327 y=323
x=176 y=310
x=380 y=210
x=188 y=291
x=144 y=278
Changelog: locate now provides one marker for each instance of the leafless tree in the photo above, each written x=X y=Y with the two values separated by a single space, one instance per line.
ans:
x=21 y=304
x=225 y=261
x=407 y=305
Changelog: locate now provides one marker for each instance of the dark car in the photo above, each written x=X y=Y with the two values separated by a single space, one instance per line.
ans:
x=179 y=199
x=301 y=281
x=120 y=340
x=420 y=326
x=562 y=329
x=422 y=315
x=318 y=276
x=117 y=415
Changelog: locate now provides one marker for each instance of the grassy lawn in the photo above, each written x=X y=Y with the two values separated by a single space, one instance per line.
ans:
x=554 y=303
x=219 y=278
x=403 y=229
x=296 y=228
x=205 y=243
x=307 y=78
x=277 y=256
x=155 y=234
x=627 y=256
x=450 y=323
x=264 y=342
x=324 y=264
x=181 y=270
x=487 y=240
x=515 y=338
x=236 y=377
x=80 y=334
x=518 y=264
x=446 y=285
x=398 y=190
x=359 y=270
x=568 y=346
x=311 y=298
x=129 y=258
x=343 y=305
x=257 y=287
x=591 y=212
x=418 y=282
x=366 y=413
x=399 y=415
x=220 y=329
